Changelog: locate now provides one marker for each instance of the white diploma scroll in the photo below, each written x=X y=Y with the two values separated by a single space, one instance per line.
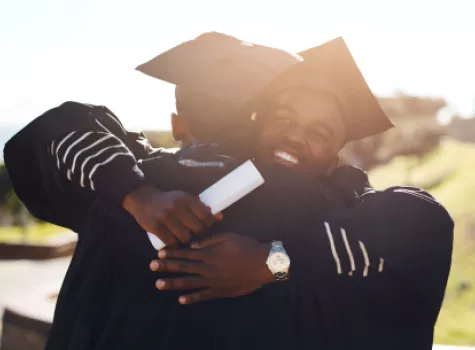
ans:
x=224 y=193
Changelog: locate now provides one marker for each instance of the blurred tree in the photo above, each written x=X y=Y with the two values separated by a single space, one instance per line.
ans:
x=406 y=106
x=462 y=129
x=417 y=131
x=9 y=200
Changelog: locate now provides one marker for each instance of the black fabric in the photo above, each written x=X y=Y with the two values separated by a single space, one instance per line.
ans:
x=316 y=308
x=44 y=188
x=220 y=66
x=108 y=299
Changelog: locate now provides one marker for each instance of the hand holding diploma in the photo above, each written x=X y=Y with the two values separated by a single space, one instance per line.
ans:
x=174 y=217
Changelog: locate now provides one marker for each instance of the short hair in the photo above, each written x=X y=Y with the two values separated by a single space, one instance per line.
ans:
x=213 y=120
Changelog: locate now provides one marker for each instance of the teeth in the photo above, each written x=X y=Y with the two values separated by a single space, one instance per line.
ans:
x=287 y=157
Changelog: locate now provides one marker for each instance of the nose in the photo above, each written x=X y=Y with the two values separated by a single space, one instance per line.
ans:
x=296 y=134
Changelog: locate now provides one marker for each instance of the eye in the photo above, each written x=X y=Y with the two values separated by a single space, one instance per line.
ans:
x=316 y=133
x=317 y=136
x=283 y=121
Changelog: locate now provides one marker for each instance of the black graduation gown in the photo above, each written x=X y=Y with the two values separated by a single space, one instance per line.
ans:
x=369 y=272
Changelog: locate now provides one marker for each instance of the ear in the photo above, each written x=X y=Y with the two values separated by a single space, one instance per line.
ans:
x=179 y=127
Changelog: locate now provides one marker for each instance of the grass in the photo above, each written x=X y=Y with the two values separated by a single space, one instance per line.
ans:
x=449 y=174
x=35 y=233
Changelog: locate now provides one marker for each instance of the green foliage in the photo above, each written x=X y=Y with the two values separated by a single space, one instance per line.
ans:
x=36 y=233
x=409 y=137
x=5 y=184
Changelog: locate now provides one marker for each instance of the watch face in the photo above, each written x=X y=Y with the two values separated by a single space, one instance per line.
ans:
x=279 y=262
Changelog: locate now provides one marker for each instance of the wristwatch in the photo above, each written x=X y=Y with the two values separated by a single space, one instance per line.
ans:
x=278 y=261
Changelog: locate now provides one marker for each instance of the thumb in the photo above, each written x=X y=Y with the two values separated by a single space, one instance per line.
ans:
x=209 y=241
x=219 y=216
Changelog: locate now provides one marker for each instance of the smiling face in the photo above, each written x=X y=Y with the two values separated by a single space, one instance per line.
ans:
x=302 y=129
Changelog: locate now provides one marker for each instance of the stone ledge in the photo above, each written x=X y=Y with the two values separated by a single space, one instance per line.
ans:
x=20 y=251
x=59 y=246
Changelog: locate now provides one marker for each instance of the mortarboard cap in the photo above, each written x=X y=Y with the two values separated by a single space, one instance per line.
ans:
x=217 y=77
x=330 y=67
x=220 y=66
x=232 y=73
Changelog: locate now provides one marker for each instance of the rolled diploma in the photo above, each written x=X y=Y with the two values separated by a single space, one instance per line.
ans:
x=225 y=192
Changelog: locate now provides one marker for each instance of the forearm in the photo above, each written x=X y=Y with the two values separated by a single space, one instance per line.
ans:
x=97 y=162
x=405 y=230
x=69 y=156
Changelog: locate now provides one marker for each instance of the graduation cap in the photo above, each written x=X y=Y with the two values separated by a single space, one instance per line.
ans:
x=220 y=66
x=330 y=67
x=228 y=74
x=217 y=77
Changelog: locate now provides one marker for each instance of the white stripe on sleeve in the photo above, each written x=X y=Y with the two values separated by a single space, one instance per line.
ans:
x=108 y=160
x=61 y=143
x=88 y=148
x=74 y=144
x=416 y=194
x=381 y=265
x=99 y=123
x=91 y=157
x=348 y=250
x=332 y=247
x=366 y=259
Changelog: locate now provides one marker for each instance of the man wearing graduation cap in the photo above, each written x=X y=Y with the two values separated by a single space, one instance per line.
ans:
x=371 y=245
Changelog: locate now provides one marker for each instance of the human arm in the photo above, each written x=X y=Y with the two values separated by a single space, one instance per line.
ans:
x=75 y=153
x=225 y=265
x=367 y=235
x=403 y=228
x=401 y=232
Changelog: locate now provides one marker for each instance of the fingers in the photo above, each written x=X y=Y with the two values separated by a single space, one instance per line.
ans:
x=184 y=266
x=201 y=211
x=165 y=235
x=193 y=223
x=187 y=214
x=183 y=283
x=177 y=228
x=200 y=296
x=187 y=254
x=175 y=216
x=215 y=239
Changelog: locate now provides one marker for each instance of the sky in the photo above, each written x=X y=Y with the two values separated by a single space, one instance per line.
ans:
x=53 y=51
